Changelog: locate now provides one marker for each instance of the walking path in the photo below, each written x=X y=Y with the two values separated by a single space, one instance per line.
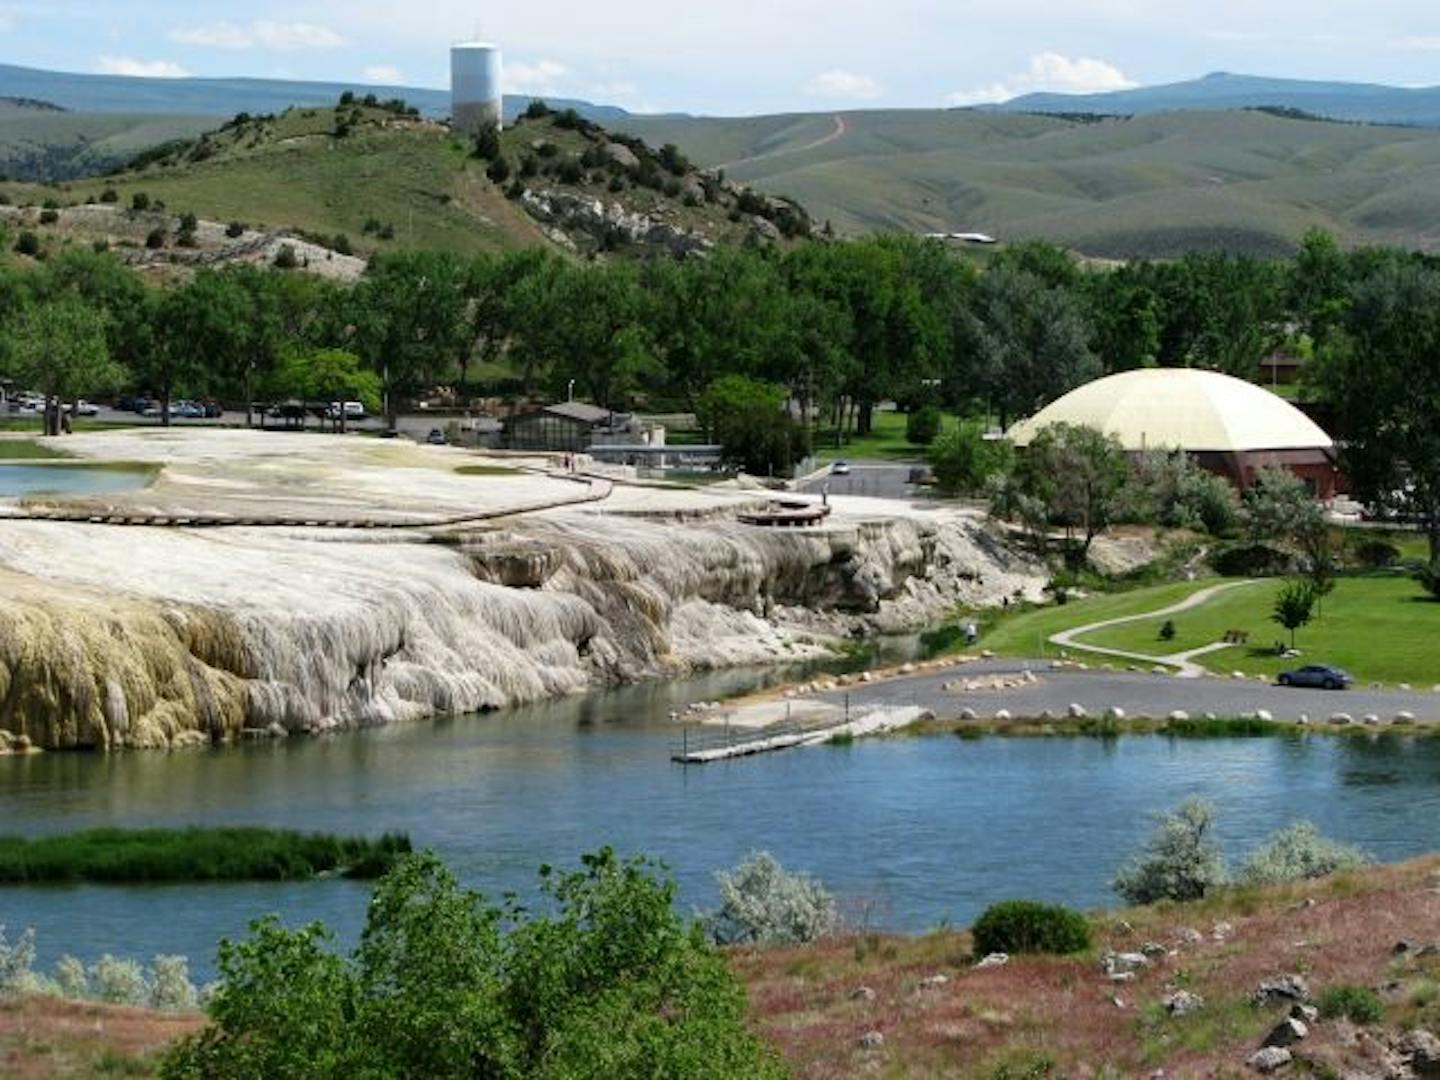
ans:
x=841 y=129
x=1182 y=661
x=597 y=489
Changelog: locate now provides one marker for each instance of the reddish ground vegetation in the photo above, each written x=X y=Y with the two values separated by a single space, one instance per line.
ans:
x=1033 y=1017
x=42 y=1037
x=1045 y=1016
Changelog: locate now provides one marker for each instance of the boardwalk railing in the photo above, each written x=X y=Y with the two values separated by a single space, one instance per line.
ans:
x=715 y=739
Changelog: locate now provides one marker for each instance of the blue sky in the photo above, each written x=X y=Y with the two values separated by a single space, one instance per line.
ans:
x=742 y=56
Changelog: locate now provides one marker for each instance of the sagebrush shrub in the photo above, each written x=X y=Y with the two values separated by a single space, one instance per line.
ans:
x=1027 y=926
x=764 y=904
x=119 y=982
x=1180 y=861
x=1297 y=853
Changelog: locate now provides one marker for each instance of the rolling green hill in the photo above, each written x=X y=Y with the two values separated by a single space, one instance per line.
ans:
x=383 y=181
x=1146 y=186
x=1362 y=102
x=40 y=141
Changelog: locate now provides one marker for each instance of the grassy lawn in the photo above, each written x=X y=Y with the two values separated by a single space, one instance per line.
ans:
x=1380 y=629
x=1028 y=633
x=886 y=440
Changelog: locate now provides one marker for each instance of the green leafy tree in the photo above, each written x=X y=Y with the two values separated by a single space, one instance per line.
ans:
x=1294 y=606
x=606 y=981
x=964 y=461
x=326 y=376
x=1029 y=343
x=1079 y=474
x=406 y=319
x=748 y=419
x=60 y=346
x=922 y=426
x=1378 y=374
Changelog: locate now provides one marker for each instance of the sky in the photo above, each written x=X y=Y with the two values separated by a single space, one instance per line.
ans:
x=741 y=57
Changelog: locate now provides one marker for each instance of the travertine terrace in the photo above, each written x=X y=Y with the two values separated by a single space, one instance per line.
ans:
x=304 y=582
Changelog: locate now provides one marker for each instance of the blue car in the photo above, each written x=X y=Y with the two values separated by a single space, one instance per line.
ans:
x=1318 y=676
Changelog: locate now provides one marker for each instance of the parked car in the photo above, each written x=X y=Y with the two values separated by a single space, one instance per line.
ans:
x=354 y=410
x=1318 y=676
x=82 y=408
x=211 y=409
x=436 y=437
x=186 y=410
x=840 y=468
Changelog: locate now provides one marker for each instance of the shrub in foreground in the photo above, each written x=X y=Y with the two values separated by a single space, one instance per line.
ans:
x=1026 y=926
x=764 y=904
x=1181 y=861
x=1297 y=853
x=1358 y=1004
x=608 y=982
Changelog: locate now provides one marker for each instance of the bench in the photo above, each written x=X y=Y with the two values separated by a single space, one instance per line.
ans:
x=1236 y=637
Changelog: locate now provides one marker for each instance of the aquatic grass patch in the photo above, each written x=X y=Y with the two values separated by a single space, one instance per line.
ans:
x=1225 y=727
x=485 y=470
x=30 y=450
x=115 y=856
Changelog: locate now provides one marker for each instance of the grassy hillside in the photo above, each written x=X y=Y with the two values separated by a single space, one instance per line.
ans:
x=1362 y=102
x=387 y=181
x=1152 y=185
x=40 y=143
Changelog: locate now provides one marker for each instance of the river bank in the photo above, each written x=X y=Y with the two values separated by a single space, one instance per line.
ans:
x=922 y=1006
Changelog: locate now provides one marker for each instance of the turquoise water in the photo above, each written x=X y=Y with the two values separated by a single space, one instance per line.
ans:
x=68 y=480
x=910 y=832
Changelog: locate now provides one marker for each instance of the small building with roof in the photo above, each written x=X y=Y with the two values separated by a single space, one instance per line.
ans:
x=1226 y=425
x=569 y=426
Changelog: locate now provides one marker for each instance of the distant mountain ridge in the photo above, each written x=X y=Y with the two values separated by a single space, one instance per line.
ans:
x=1359 y=102
x=84 y=93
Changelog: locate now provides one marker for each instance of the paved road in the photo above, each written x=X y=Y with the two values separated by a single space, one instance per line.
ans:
x=876 y=479
x=1138 y=694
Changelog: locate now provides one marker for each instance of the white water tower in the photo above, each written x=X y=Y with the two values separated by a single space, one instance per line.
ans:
x=476 y=101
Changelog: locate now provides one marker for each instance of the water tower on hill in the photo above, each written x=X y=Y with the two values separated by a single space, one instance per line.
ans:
x=476 y=101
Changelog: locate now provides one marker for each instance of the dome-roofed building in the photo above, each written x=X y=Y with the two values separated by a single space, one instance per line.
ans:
x=1227 y=425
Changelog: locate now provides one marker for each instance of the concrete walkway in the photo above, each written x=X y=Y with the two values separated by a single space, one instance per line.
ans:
x=1181 y=661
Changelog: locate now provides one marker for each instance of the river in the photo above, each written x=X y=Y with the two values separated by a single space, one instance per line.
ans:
x=910 y=832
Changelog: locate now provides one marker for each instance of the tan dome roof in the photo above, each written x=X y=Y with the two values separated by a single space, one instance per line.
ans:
x=1180 y=409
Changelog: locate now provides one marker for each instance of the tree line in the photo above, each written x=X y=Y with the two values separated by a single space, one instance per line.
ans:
x=833 y=328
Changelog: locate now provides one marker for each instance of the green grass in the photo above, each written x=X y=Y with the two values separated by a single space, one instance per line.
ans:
x=885 y=441
x=113 y=856
x=1379 y=628
x=1027 y=633
x=30 y=450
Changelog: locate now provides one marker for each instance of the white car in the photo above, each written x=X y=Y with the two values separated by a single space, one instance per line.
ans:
x=82 y=408
x=840 y=468
x=354 y=410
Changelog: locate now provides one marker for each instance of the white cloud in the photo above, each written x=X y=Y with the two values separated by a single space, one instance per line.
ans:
x=144 y=69
x=384 y=74
x=603 y=91
x=1053 y=73
x=849 y=85
x=1427 y=44
x=542 y=77
x=262 y=34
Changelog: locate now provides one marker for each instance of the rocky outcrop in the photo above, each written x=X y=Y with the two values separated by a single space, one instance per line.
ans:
x=575 y=220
